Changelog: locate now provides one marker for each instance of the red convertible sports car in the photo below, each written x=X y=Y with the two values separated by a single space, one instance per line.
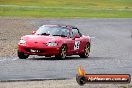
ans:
x=54 y=40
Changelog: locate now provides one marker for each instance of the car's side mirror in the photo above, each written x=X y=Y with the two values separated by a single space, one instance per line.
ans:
x=33 y=32
x=76 y=36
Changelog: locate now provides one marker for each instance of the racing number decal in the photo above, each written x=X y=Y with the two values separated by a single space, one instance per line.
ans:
x=76 y=46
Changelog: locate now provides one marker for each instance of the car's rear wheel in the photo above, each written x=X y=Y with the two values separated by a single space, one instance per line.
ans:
x=86 y=52
x=62 y=53
x=22 y=55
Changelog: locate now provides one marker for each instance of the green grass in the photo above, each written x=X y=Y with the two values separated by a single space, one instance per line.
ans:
x=67 y=8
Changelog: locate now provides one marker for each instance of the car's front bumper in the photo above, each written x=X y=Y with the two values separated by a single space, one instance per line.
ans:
x=44 y=51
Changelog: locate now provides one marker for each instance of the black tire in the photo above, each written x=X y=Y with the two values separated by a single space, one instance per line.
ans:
x=22 y=55
x=62 y=53
x=86 y=52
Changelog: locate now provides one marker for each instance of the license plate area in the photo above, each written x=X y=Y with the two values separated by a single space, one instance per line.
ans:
x=33 y=50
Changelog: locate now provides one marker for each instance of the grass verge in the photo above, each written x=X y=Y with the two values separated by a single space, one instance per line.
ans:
x=67 y=9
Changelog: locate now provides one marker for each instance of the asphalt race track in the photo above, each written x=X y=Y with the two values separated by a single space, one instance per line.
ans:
x=111 y=52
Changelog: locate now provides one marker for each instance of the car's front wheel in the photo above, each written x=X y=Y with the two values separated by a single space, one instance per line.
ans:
x=86 y=52
x=22 y=55
x=62 y=53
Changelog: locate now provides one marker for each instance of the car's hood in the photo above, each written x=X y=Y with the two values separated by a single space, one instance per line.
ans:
x=41 y=38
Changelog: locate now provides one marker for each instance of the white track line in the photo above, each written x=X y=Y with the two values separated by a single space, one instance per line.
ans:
x=2 y=60
x=92 y=37
x=14 y=59
x=74 y=8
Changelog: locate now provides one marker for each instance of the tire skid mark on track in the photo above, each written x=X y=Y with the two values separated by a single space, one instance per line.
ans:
x=36 y=79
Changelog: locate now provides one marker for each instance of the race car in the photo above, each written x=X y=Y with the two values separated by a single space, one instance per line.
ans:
x=54 y=40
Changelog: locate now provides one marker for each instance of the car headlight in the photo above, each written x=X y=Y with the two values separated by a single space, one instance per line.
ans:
x=22 y=41
x=51 y=44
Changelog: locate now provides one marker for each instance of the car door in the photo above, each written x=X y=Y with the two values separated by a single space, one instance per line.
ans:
x=70 y=43
x=77 y=41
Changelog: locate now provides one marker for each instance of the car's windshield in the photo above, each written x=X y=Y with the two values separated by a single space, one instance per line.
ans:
x=54 y=31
